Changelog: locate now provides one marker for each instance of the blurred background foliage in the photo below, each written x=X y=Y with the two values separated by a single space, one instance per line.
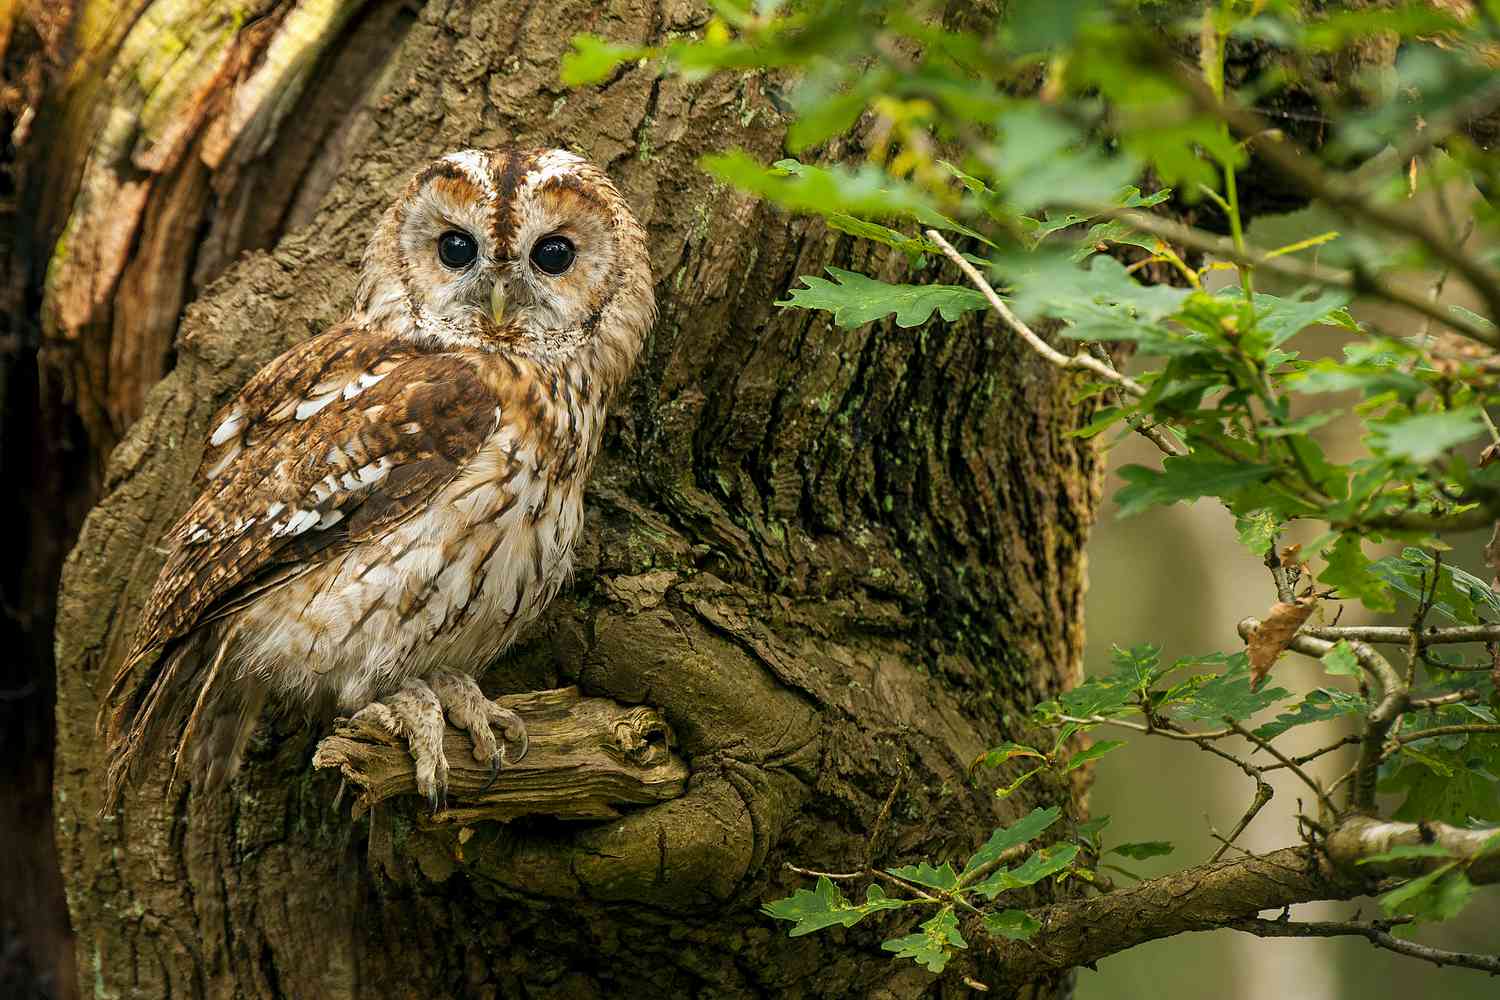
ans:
x=1179 y=576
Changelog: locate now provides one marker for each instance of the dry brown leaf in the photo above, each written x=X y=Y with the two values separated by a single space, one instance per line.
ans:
x=1275 y=633
x=1289 y=555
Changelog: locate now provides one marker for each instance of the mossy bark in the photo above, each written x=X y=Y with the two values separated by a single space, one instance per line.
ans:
x=839 y=562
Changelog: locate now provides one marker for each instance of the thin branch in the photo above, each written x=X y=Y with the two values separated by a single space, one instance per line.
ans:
x=1279 y=574
x=1215 y=895
x=814 y=873
x=1263 y=794
x=1377 y=933
x=1309 y=642
x=1466 y=729
x=1437 y=701
x=1103 y=720
x=1285 y=761
x=1472 y=519
x=1400 y=634
x=1315 y=754
x=1081 y=361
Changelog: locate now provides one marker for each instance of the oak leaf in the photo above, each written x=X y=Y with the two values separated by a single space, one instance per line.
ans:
x=1275 y=633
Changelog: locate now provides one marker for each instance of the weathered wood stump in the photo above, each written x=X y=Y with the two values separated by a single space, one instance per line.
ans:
x=587 y=757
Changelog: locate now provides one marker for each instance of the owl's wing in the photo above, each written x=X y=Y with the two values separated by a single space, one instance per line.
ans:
x=334 y=442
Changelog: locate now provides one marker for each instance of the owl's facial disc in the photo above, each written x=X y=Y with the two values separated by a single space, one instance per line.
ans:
x=517 y=250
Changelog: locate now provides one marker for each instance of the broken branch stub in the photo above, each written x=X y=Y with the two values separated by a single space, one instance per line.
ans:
x=587 y=758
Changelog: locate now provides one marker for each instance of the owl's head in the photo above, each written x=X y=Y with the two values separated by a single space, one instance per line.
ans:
x=529 y=251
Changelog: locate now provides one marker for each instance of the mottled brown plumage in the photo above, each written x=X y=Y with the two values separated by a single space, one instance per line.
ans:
x=382 y=508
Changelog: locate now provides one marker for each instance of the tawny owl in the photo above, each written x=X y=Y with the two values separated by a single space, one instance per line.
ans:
x=383 y=508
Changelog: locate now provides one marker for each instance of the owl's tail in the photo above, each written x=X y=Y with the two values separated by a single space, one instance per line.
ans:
x=186 y=694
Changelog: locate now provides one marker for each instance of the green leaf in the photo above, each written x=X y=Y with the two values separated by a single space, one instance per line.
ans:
x=593 y=59
x=1013 y=925
x=814 y=909
x=995 y=756
x=1094 y=752
x=1010 y=789
x=1048 y=861
x=1352 y=574
x=1144 y=849
x=1459 y=595
x=1098 y=302
x=1089 y=830
x=1424 y=437
x=912 y=246
x=1371 y=380
x=1339 y=28
x=1278 y=319
x=1471 y=316
x=1106 y=418
x=1434 y=764
x=1138 y=666
x=1036 y=25
x=1470 y=791
x=856 y=299
x=1319 y=706
x=1115 y=232
x=1186 y=478
x=1438 y=895
x=1039 y=229
x=923 y=873
x=1257 y=531
x=830 y=115
x=1228 y=694
x=1341 y=661
x=934 y=945
x=1022 y=831
x=866 y=192
x=1040 y=154
x=1403 y=851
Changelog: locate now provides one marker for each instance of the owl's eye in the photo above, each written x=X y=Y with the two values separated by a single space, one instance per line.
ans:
x=457 y=249
x=553 y=255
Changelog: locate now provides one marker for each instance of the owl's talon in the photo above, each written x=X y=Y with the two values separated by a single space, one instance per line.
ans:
x=514 y=729
x=494 y=773
x=471 y=711
x=415 y=714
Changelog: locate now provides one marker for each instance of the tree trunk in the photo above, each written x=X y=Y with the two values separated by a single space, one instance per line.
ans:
x=840 y=563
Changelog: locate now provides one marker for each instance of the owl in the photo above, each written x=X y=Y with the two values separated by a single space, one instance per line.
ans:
x=382 y=509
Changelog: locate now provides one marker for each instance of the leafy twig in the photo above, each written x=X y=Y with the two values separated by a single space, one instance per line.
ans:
x=1289 y=267
x=1303 y=169
x=1378 y=723
x=1081 y=361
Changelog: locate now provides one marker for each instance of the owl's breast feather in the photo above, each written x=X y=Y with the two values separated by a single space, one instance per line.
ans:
x=451 y=587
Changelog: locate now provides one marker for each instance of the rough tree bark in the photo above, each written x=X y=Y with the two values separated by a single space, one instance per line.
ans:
x=840 y=563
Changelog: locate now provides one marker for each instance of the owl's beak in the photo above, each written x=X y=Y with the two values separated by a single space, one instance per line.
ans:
x=497 y=303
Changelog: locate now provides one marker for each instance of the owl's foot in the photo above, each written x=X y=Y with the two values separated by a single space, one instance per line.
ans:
x=469 y=710
x=415 y=714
